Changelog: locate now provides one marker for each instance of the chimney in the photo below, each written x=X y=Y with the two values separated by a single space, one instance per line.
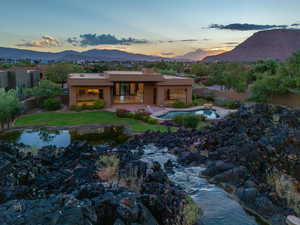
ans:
x=148 y=71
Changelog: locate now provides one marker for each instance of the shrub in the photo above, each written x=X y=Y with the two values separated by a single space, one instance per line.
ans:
x=151 y=120
x=189 y=120
x=45 y=89
x=199 y=102
x=79 y=108
x=227 y=103
x=179 y=104
x=191 y=211
x=122 y=113
x=73 y=107
x=138 y=116
x=142 y=112
x=108 y=165
x=99 y=104
x=89 y=107
x=52 y=104
x=130 y=115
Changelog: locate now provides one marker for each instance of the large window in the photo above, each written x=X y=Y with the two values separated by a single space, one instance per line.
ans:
x=172 y=95
x=128 y=92
x=89 y=95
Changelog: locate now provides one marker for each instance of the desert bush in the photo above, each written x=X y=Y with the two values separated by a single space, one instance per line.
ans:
x=189 y=120
x=52 y=104
x=191 y=211
x=108 y=166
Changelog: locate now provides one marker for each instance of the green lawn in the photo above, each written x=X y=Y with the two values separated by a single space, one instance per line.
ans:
x=83 y=118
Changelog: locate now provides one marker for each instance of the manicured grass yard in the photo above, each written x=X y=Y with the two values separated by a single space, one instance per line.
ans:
x=83 y=118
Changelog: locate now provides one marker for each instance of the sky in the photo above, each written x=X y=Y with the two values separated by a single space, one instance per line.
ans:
x=155 y=27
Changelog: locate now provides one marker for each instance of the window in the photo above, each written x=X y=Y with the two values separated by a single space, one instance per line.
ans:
x=89 y=94
x=175 y=94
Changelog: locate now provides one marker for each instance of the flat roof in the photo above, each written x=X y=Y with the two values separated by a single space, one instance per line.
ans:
x=169 y=77
x=116 y=72
x=106 y=75
x=87 y=76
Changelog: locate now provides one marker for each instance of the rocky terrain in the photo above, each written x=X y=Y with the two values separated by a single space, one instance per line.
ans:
x=276 y=44
x=253 y=154
x=85 y=185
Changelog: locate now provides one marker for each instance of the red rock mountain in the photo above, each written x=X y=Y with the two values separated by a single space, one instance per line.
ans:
x=271 y=44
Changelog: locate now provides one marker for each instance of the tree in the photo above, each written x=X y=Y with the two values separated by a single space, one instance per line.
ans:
x=266 y=66
x=200 y=69
x=290 y=72
x=45 y=89
x=10 y=107
x=58 y=73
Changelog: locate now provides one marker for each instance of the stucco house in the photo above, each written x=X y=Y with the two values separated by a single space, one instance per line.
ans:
x=129 y=87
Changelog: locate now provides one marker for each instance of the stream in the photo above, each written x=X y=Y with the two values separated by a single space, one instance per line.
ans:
x=218 y=207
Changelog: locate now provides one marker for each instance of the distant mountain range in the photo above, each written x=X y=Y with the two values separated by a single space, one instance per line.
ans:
x=271 y=44
x=91 y=55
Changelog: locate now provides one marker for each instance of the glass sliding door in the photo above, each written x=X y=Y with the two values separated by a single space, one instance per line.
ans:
x=129 y=92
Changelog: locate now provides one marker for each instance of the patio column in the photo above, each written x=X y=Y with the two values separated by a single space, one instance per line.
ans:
x=160 y=96
x=107 y=96
x=189 y=95
x=72 y=96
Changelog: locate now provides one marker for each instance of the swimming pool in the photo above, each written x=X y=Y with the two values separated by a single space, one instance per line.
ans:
x=208 y=113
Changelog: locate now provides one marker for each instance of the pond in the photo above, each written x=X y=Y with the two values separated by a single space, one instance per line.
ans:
x=208 y=113
x=62 y=138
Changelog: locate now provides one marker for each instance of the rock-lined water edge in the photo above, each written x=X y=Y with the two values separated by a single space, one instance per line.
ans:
x=161 y=178
x=253 y=154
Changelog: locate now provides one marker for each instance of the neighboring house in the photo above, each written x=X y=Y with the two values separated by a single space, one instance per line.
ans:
x=131 y=87
x=3 y=79
x=23 y=78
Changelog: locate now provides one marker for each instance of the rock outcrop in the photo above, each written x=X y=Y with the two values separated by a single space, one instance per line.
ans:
x=270 y=44
x=254 y=154
x=79 y=185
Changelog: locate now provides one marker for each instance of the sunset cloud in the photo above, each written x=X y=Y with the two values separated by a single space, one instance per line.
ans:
x=246 y=27
x=167 y=53
x=44 y=42
x=295 y=25
x=200 y=54
x=85 y=40
x=184 y=40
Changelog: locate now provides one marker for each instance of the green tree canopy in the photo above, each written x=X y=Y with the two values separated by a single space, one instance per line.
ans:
x=45 y=89
x=58 y=73
x=10 y=106
x=200 y=69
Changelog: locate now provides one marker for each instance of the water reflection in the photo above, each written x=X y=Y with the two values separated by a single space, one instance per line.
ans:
x=62 y=138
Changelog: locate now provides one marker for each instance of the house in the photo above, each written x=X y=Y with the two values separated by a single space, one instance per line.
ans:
x=23 y=78
x=3 y=80
x=131 y=87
